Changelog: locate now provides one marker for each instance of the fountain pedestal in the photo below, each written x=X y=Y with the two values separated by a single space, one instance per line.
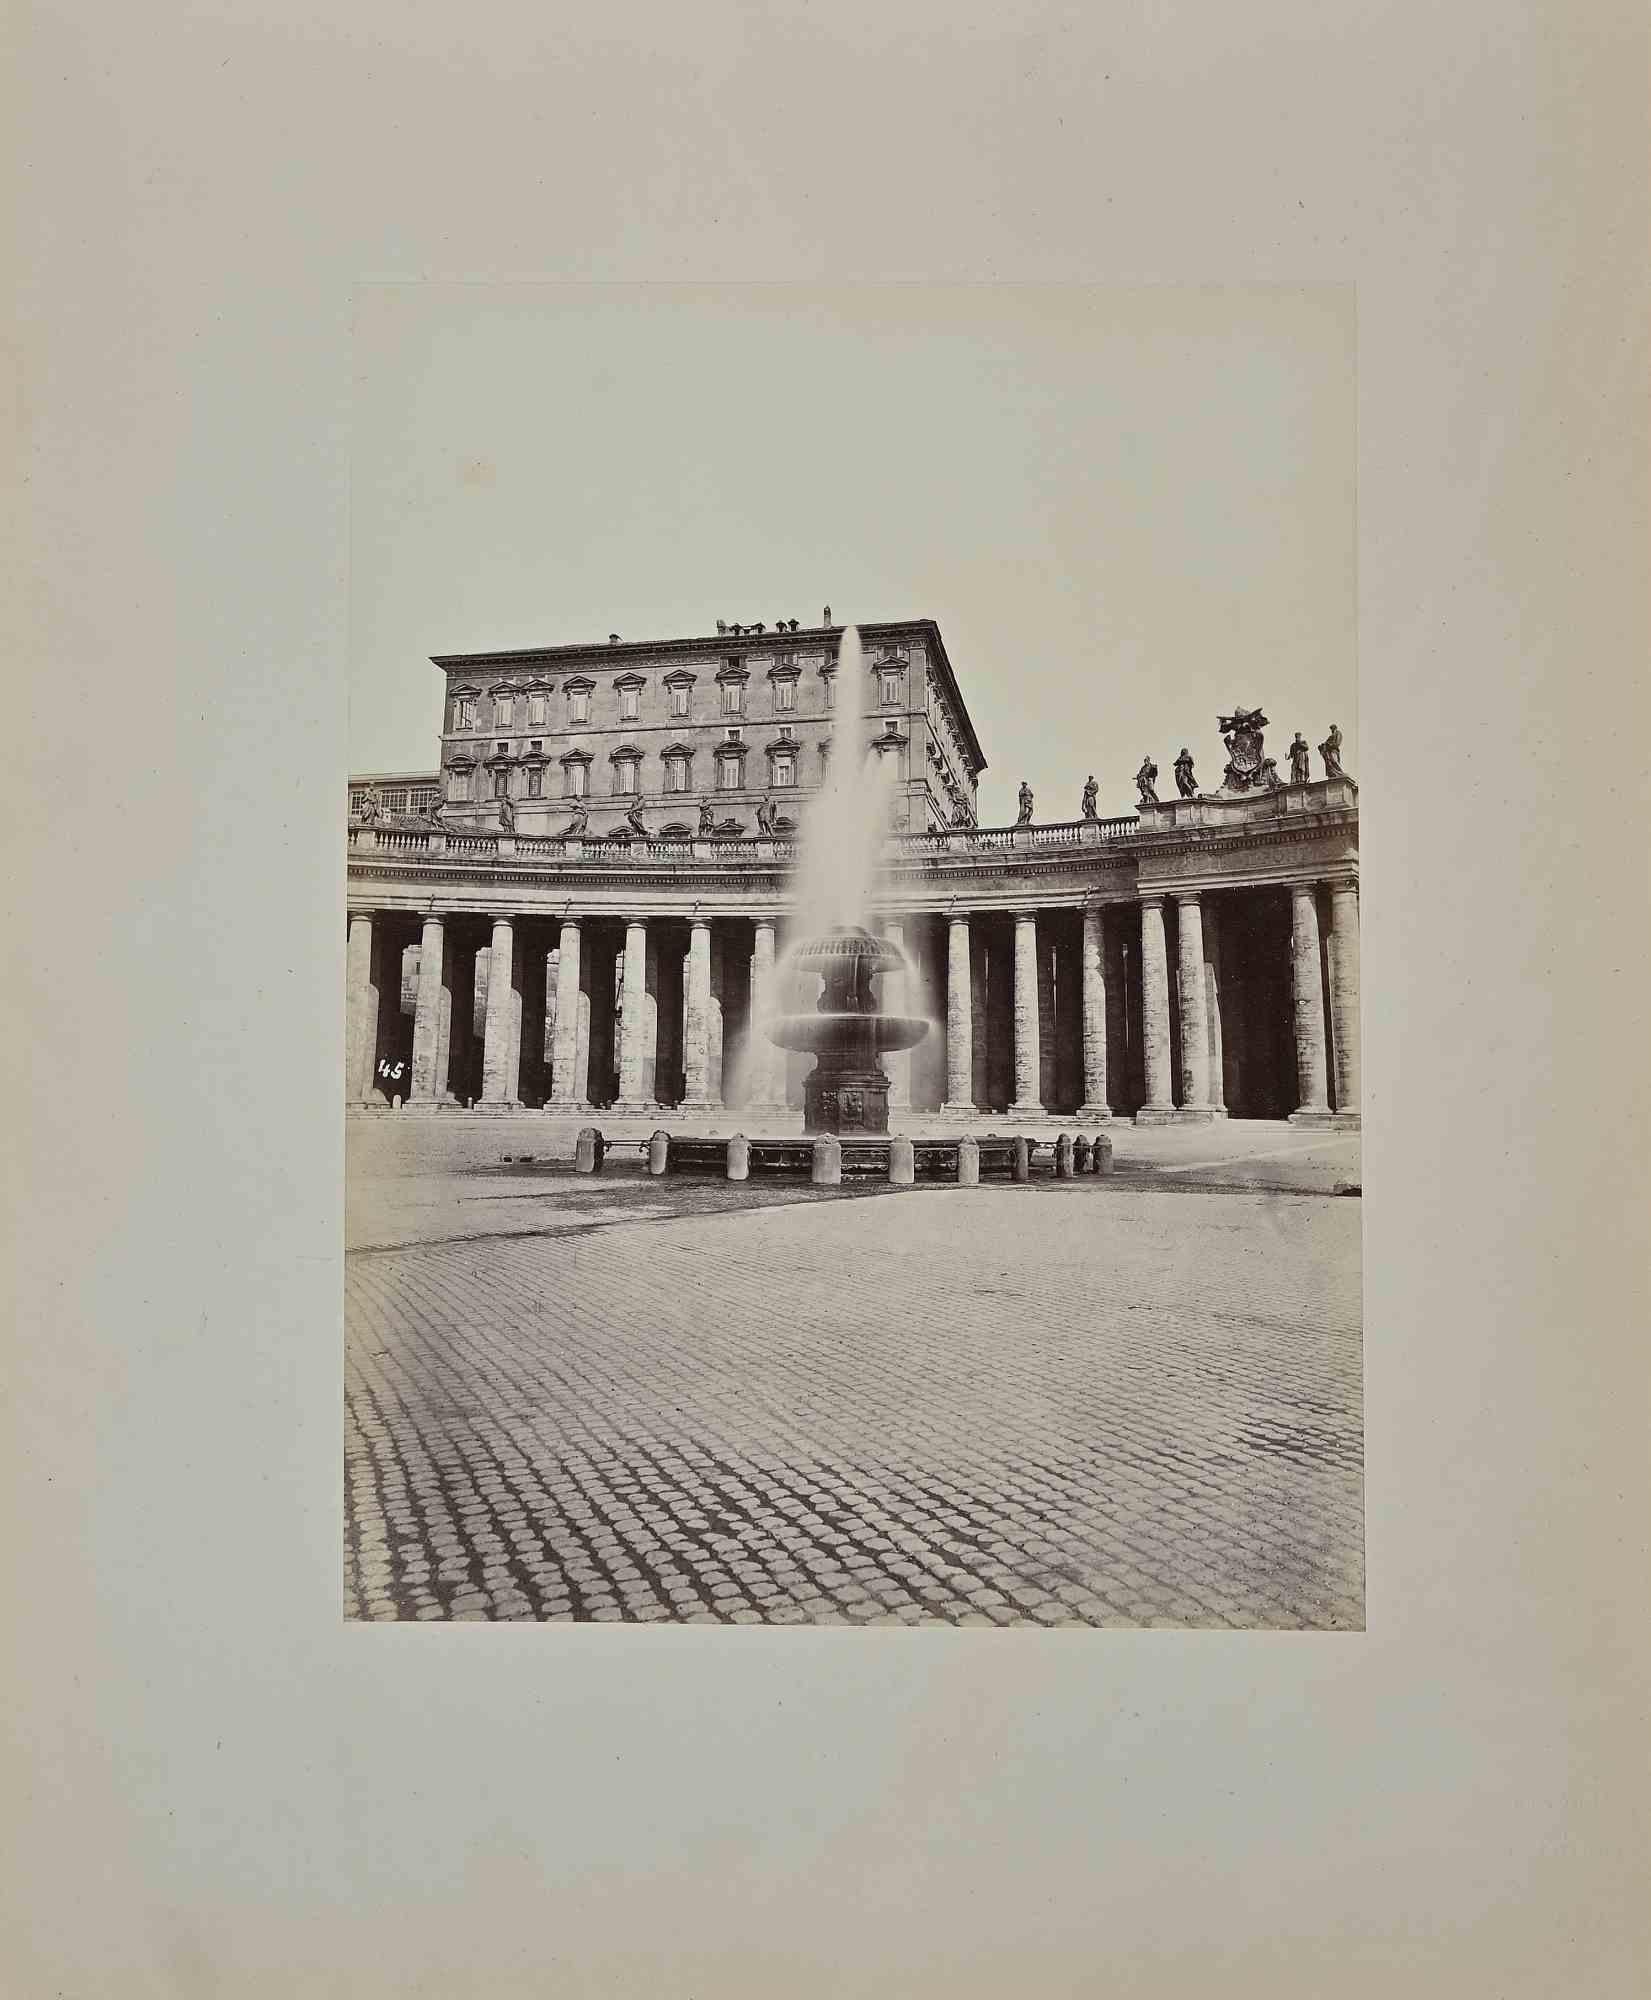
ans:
x=846 y=1101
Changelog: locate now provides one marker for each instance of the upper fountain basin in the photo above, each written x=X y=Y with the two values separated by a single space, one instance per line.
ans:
x=848 y=943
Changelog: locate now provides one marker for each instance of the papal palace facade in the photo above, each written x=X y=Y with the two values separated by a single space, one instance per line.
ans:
x=583 y=908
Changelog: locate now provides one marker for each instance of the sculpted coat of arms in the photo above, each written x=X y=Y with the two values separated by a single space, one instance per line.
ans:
x=1249 y=769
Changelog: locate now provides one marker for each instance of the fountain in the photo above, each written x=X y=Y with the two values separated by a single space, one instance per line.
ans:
x=847 y=1031
x=847 y=1091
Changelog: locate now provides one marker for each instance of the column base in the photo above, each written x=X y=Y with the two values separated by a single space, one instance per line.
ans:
x=1327 y=1121
x=696 y=1104
x=1029 y=1109
x=429 y=1107
x=566 y=1107
x=969 y=1110
x=496 y=1106
x=1094 y=1111
x=1174 y=1114
x=635 y=1107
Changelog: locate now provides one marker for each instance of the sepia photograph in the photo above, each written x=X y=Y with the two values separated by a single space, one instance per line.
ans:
x=827 y=1083
x=852 y=963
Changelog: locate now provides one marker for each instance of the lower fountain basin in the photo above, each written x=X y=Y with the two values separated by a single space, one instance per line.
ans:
x=872 y=1034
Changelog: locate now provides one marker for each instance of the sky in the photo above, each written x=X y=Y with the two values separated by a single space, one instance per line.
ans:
x=1128 y=509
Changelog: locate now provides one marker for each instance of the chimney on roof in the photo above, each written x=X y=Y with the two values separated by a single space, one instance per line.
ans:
x=722 y=627
x=613 y=638
x=825 y=616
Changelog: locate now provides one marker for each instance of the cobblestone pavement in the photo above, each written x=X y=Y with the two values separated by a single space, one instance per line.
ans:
x=1083 y=1403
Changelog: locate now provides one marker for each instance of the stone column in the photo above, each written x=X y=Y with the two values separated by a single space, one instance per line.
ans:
x=897 y=1064
x=762 y=1095
x=1212 y=1009
x=631 y=1022
x=566 y=1086
x=1195 y=1053
x=696 y=1036
x=1027 y=1102
x=433 y=1016
x=1344 y=995
x=1154 y=1010
x=1093 y=1009
x=499 y=1037
x=361 y=1010
x=1313 y=1104
x=960 y=1051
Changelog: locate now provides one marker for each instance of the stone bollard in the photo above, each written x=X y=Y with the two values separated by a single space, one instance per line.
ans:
x=1080 y=1155
x=588 y=1150
x=1023 y=1159
x=968 y=1163
x=659 y=1154
x=902 y=1163
x=1063 y=1157
x=828 y=1161
x=1100 y=1155
x=739 y=1157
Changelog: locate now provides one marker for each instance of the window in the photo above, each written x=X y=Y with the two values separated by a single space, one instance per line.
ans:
x=504 y=711
x=575 y=780
x=786 y=732
x=829 y=682
x=785 y=695
x=889 y=679
x=536 y=711
x=535 y=783
x=458 y=787
x=679 y=698
x=537 y=745
x=730 y=769
x=464 y=712
x=630 y=704
x=733 y=698
x=578 y=704
x=785 y=767
x=624 y=774
x=501 y=783
x=676 y=773
x=503 y=749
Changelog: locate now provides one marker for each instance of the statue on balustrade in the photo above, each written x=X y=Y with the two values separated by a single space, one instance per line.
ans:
x=633 y=818
x=1301 y=771
x=1091 y=792
x=765 y=816
x=1185 y=783
x=580 y=820
x=1330 y=751
x=707 y=820
x=1146 y=781
x=367 y=808
x=960 y=815
x=507 y=813
x=1249 y=768
x=435 y=814
x=1025 y=804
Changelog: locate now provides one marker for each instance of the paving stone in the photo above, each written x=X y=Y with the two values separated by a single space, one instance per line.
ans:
x=1181 y=1446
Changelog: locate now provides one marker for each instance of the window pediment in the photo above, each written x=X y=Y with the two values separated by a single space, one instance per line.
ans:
x=579 y=684
x=635 y=682
x=680 y=677
x=735 y=670
x=626 y=753
x=575 y=757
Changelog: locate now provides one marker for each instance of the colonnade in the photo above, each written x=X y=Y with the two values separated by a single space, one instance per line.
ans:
x=1093 y=1011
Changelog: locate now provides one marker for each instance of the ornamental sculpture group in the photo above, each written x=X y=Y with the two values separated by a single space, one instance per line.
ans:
x=1249 y=768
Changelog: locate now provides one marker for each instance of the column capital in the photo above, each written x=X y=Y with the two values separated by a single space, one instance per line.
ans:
x=1151 y=899
x=1185 y=898
x=505 y=917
